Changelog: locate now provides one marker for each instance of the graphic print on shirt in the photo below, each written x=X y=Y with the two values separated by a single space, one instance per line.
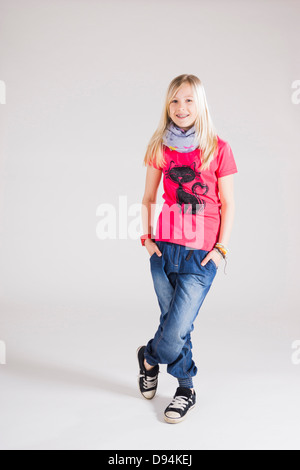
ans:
x=182 y=174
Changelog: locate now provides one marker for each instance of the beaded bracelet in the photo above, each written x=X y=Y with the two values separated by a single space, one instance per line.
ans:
x=222 y=250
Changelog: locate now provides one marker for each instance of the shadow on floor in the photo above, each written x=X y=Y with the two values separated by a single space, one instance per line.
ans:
x=31 y=369
x=43 y=372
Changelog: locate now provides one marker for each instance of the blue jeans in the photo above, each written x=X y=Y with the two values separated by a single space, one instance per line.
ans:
x=181 y=285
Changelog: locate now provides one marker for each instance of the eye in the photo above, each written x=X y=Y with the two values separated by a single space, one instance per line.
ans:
x=174 y=101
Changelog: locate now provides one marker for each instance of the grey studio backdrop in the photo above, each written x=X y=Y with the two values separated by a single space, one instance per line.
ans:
x=85 y=83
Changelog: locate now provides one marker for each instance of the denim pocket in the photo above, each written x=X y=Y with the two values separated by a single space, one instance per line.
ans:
x=214 y=264
x=160 y=247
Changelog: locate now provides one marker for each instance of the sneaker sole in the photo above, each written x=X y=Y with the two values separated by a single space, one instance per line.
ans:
x=138 y=380
x=178 y=420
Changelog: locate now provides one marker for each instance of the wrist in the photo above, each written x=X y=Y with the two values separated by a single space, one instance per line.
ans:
x=219 y=253
x=146 y=236
x=222 y=249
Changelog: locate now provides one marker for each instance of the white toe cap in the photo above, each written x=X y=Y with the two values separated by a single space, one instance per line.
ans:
x=149 y=395
x=172 y=414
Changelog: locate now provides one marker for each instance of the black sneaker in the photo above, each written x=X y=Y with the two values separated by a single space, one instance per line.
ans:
x=148 y=379
x=184 y=400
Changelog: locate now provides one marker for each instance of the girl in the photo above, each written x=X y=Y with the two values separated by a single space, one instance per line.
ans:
x=192 y=232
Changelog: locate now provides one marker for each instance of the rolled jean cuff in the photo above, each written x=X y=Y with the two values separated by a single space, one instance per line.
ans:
x=149 y=360
x=186 y=383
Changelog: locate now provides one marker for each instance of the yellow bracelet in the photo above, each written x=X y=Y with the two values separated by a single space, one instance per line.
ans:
x=222 y=248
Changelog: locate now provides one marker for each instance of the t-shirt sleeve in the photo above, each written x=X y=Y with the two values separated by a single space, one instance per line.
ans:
x=226 y=162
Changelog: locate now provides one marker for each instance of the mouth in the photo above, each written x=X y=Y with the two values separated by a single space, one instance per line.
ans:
x=182 y=116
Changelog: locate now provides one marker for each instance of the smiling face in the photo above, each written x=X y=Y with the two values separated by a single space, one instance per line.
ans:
x=182 y=108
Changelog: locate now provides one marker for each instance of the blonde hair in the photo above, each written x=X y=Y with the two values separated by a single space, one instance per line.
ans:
x=204 y=129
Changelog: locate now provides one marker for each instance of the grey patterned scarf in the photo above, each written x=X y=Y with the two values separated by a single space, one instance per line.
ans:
x=178 y=139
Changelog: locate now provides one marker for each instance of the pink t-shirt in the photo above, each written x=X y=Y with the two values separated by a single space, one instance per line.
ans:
x=190 y=215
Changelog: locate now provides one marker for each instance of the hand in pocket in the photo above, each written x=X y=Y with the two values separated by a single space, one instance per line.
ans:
x=152 y=248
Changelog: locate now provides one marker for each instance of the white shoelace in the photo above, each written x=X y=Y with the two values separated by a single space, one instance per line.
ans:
x=149 y=382
x=179 y=402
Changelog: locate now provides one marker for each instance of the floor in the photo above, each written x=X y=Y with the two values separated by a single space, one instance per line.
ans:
x=70 y=382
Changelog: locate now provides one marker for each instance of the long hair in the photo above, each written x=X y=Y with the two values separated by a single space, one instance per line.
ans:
x=204 y=129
